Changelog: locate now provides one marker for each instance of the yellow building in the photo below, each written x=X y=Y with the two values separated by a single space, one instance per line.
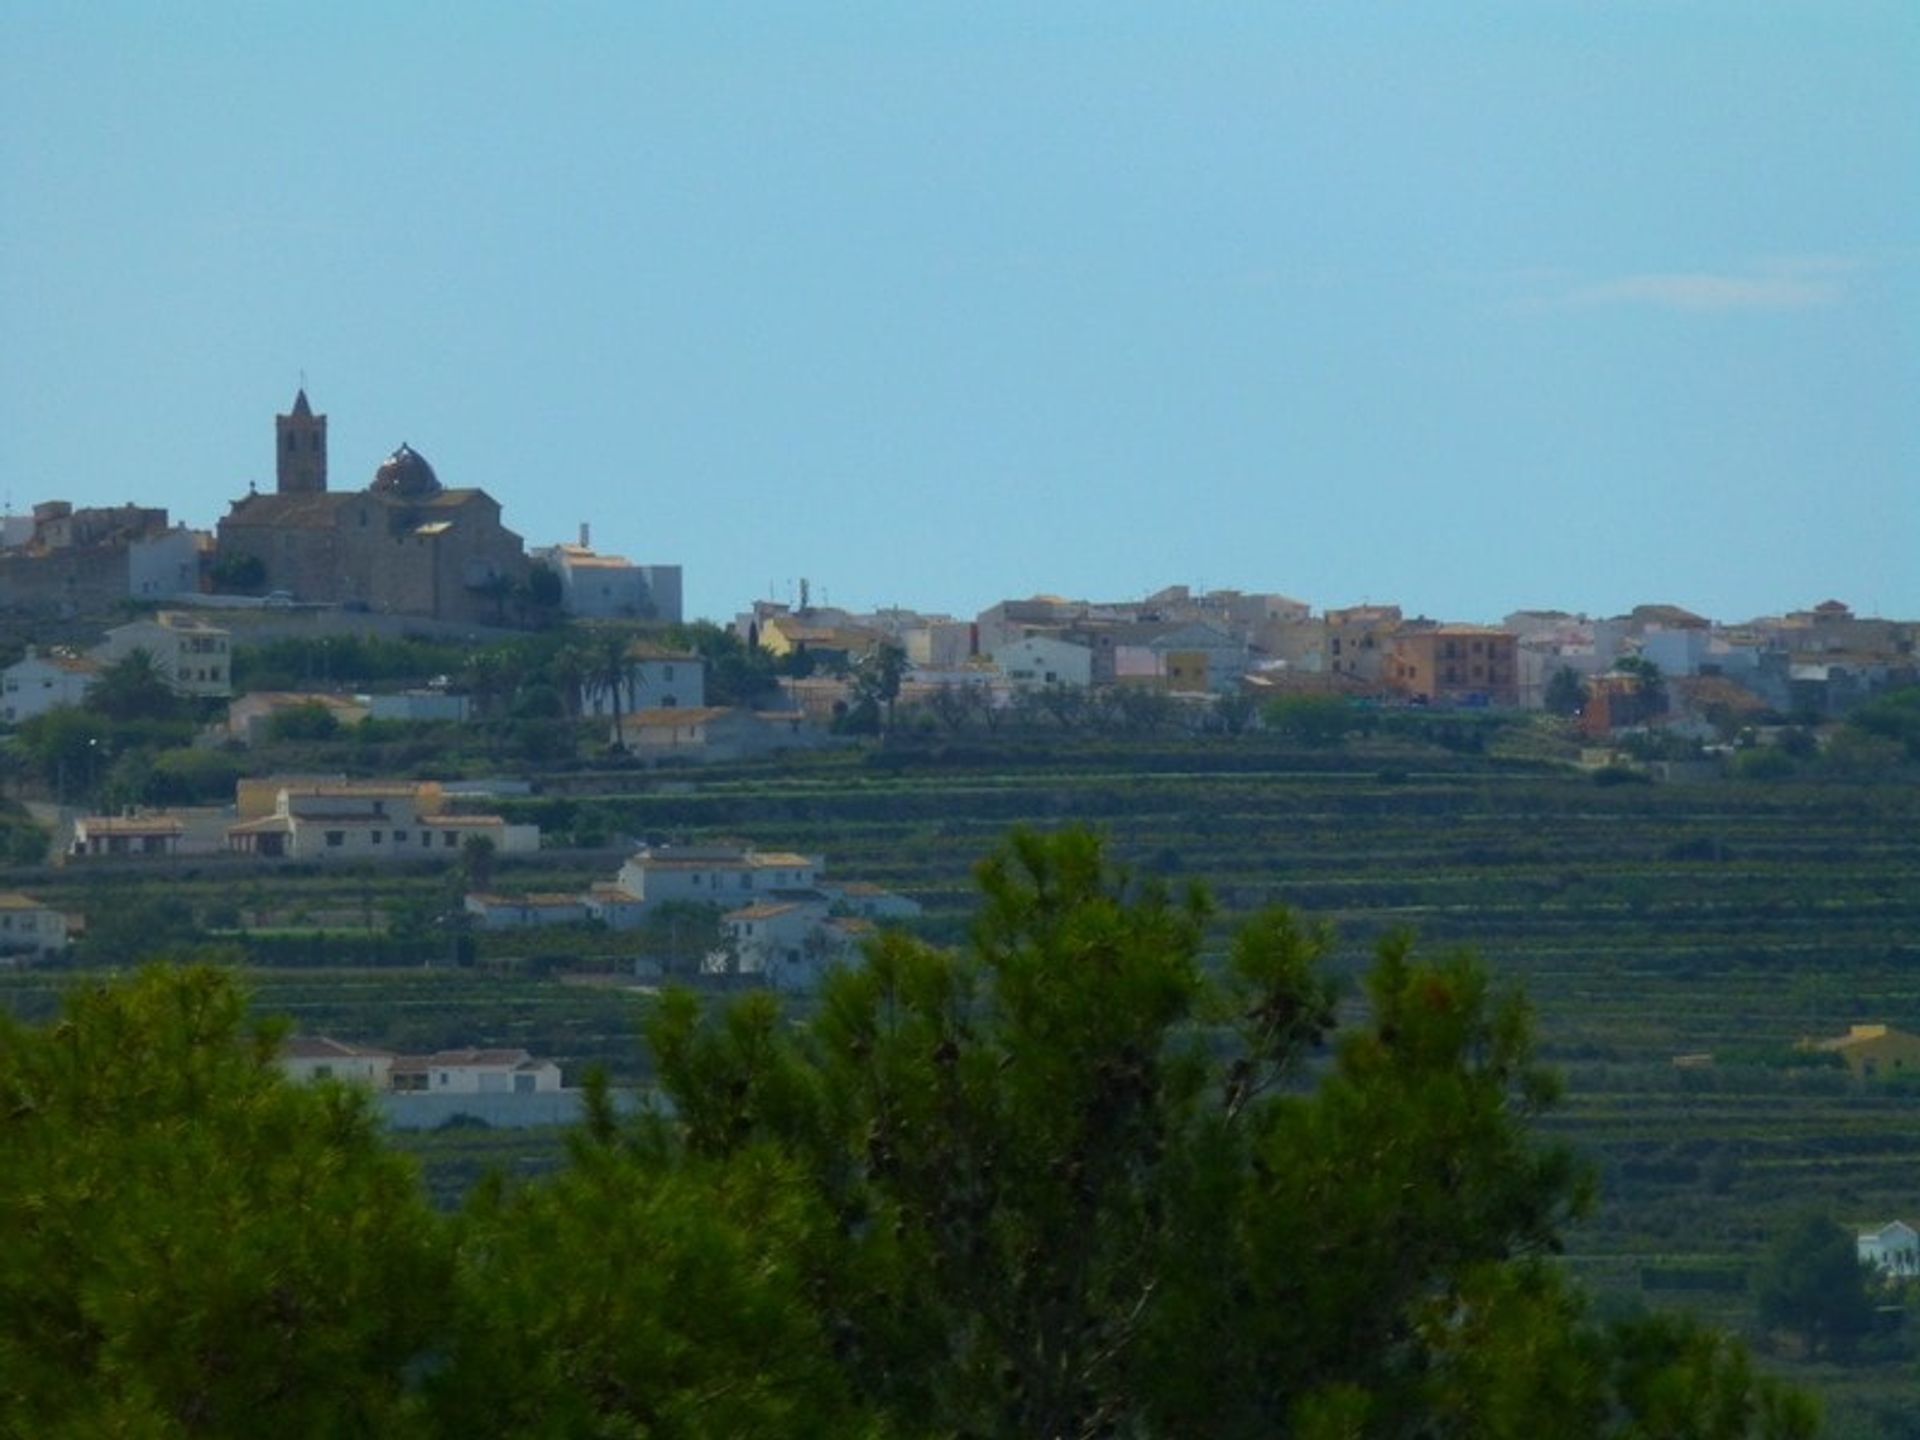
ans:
x=1873 y=1050
x=1455 y=665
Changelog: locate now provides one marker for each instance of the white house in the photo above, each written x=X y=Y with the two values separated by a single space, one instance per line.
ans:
x=193 y=656
x=155 y=834
x=166 y=563
x=476 y=1072
x=1893 y=1249
x=867 y=900
x=610 y=587
x=335 y=821
x=29 y=929
x=657 y=678
x=1040 y=661
x=789 y=943
x=523 y=912
x=38 y=683
x=714 y=875
x=316 y=1057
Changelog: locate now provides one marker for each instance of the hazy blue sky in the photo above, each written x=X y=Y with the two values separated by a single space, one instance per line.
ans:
x=1463 y=306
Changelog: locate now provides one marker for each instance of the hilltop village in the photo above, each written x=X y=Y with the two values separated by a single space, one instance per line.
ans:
x=469 y=811
x=388 y=678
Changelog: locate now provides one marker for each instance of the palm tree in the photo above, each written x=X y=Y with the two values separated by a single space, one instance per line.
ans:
x=611 y=677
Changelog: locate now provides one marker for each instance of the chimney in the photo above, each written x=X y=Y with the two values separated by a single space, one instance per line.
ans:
x=586 y=536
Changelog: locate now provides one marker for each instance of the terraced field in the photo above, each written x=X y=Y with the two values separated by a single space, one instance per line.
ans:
x=1644 y=921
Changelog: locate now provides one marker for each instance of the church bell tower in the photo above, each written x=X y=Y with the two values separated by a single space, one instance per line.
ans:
x=300 y=442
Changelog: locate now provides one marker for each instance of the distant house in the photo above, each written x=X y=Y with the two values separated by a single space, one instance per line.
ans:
x=446 y=1072
x=193 y=656
x=716 y=732
x=316 y=1057
x=29 y=929
x=789 y=943
x=476 y=1072
x=37 y=683
x=521 y=912
x=1873 y=1051
x=116 y=835
x=369 y=821
x=1040 y=662
x=610 y=586
x=669 y=729
x=657 y=678
x=714 y=874
x=1455 y=665
x=1893 y=1249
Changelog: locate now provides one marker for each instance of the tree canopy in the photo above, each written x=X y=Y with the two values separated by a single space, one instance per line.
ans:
x=1076 y=1177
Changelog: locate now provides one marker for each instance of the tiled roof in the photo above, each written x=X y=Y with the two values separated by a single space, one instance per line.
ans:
x=132 y=825
x=323 y=1047
x=765 y=910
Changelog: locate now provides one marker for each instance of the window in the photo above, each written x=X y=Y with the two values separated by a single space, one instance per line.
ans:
x=448 y=840
x=426 y=837
x=375 y=837
x=399 y=837
x=336 y=838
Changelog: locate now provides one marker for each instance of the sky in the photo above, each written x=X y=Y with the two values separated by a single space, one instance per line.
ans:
x=1466 y=307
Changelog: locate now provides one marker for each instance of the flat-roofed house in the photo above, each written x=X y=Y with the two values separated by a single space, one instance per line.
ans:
x=484 y=1072
x=193 y=655
x=319 y=1057
x=1873 y=1051
x=1893 y=1249
x=107 y=835
x=39 y=682
x=525 y=912
x=29 y=928
x=714 y=874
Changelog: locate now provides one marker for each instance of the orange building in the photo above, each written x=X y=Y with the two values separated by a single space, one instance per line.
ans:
x=1455 y=665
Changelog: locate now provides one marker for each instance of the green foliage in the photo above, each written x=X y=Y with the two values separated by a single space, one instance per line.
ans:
x=1812 y=1284
x=1081 y=1186
x=65 y=746
x=737 y=673
x=238 y=574
x=1565 y=693
x=296 y=723
x=1316 y=720
x=124 y=927
x=683 y=1310
x=297 y=662
x=188 y=1244
x=133 y=689
x=1894 y=716
x=190 y=777
x=1074 y=1177
x=1767 y=763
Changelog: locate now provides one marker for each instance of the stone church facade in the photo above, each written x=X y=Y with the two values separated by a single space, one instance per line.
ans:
x=405 y=545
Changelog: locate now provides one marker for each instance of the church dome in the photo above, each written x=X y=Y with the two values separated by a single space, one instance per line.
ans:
x=406 y=475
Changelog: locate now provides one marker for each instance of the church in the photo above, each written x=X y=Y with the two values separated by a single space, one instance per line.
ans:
x=405 y=545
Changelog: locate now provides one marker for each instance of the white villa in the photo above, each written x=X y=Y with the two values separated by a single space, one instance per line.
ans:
x=29 y=929
x=37 y=683
x=1893 y=1249
x=445 y=1072
x=193 y=656
x=330 y=820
